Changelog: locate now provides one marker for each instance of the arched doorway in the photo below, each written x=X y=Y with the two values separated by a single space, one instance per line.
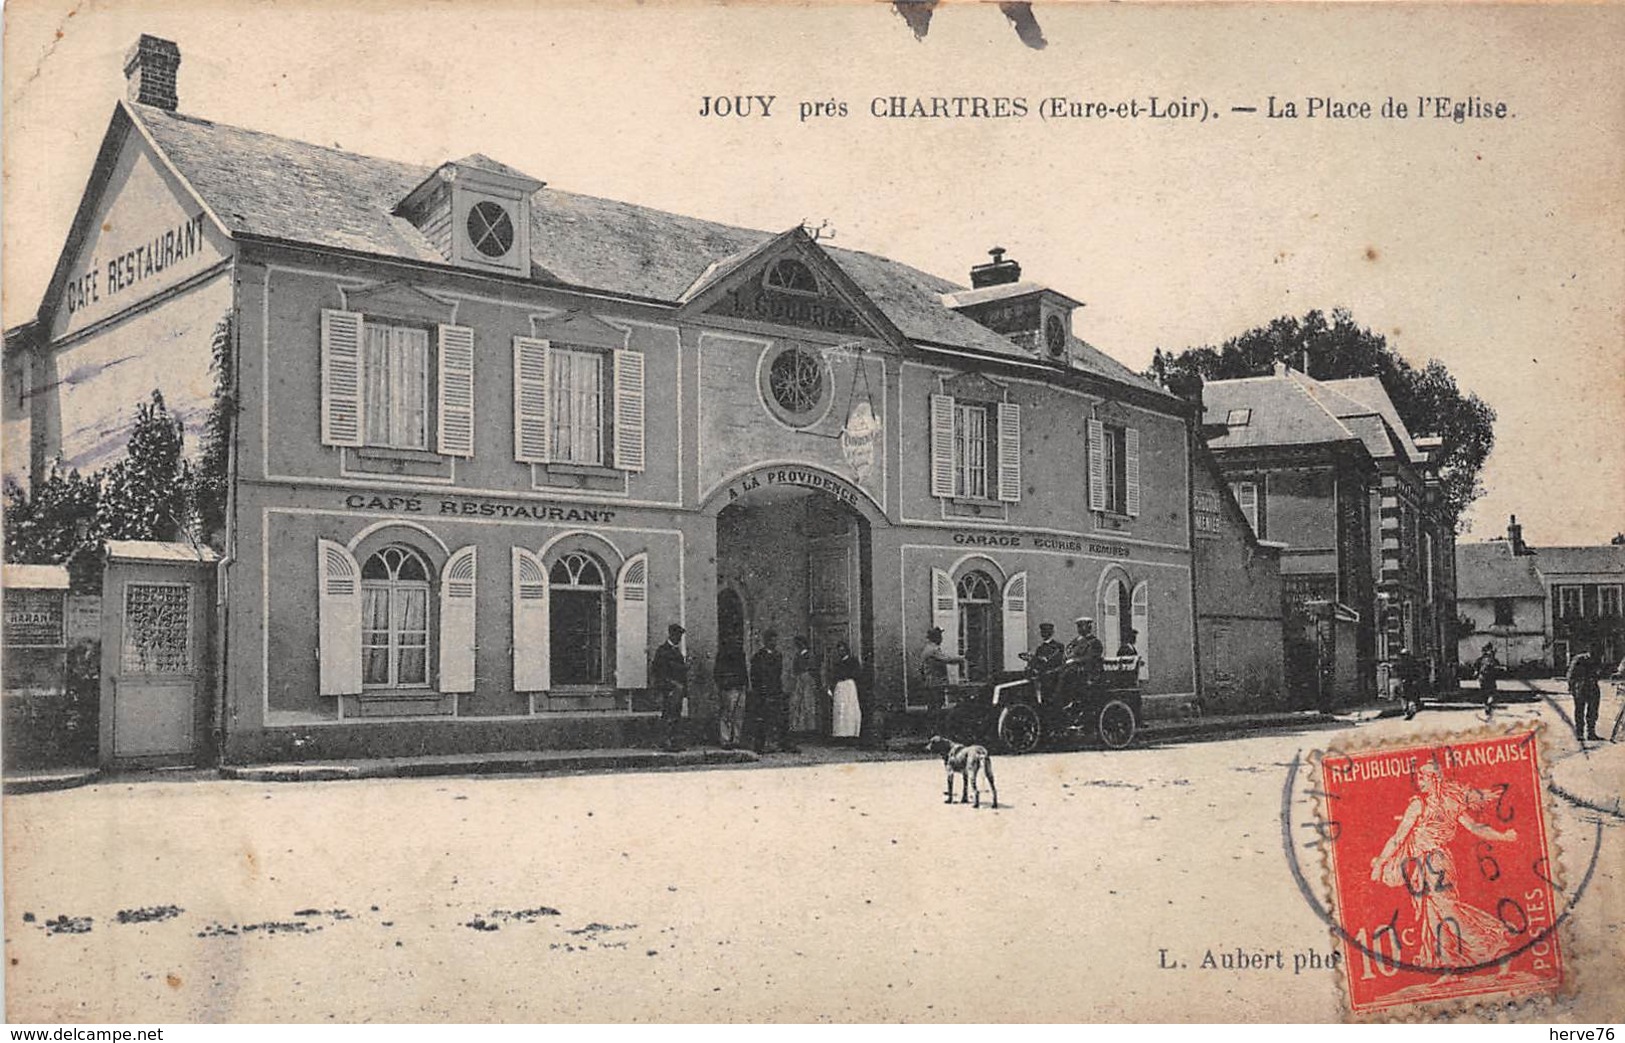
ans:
x=801 y=555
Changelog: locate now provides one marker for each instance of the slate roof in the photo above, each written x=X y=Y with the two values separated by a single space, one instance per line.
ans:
x=1292 y=408
x=1490 y=570
x=263 y=185
x=1370 y=392
x=1283 y=413
x=1568 y=561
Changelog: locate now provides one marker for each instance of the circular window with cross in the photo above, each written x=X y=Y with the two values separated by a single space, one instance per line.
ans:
x=490 y=229
x=796 y=385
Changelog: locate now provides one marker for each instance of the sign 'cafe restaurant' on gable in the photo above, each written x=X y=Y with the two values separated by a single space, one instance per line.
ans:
x=496 y=436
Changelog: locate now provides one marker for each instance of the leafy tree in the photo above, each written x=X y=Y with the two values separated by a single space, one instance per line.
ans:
x=211 y=476
x=61 y=515
x=146 y=495
x=1428 y=399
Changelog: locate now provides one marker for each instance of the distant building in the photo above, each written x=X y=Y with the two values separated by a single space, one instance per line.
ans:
x=1540 y=605
x=1329 y=469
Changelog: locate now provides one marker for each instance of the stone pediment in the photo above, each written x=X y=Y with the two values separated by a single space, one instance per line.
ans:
x=973 y=387
x=790 y=281
x=398 y=301
x=579 y=327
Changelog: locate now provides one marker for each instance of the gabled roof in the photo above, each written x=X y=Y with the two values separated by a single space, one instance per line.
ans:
x=1370 y=392
x=1557 y=562
x=1001 y=292
x=1491 y=570
x=261 y=185
x=1293 y=408
x=1283 y=414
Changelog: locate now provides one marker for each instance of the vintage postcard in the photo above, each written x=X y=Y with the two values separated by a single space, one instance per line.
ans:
x=822 y=512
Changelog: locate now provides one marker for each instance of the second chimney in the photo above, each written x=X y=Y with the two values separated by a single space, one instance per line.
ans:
x=997 y=272
x=150 y=68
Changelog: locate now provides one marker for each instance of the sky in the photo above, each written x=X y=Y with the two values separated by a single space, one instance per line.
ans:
x=1494 y=245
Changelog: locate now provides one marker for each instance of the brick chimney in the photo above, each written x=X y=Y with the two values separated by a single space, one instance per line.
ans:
x=1515 y=536
x=150 y=68
x=996 y=273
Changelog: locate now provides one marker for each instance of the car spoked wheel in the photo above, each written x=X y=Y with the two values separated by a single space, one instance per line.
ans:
x=1019 y=728
x=1116 y=724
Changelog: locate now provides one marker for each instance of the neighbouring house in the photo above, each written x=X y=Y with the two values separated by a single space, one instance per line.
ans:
x=1540 y=605
x=1329 y=470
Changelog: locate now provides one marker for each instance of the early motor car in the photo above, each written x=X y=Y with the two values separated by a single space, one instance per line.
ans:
x=1021 y=710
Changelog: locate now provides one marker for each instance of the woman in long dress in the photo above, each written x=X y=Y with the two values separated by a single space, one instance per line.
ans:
x=1417 y=857
x=848 y=714
x=804 y=690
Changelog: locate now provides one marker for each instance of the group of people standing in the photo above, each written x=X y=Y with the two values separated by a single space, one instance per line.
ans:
x=757 y=708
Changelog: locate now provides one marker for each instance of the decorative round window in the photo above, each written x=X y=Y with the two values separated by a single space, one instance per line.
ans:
x=490 y=229
x=796 y=380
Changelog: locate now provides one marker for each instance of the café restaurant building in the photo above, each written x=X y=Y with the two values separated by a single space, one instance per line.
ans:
x=495 y=436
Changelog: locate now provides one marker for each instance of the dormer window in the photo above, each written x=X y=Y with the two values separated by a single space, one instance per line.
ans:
x=791 y=276
x=490 y=229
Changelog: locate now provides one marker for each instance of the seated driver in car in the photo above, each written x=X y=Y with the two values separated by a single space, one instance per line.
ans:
x=1046 y=659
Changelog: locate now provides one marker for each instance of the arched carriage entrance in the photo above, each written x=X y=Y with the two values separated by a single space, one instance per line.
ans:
x=793 y=555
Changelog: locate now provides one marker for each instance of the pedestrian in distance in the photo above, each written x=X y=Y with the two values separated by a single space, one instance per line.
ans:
x=1410 y=691
x=732 y=677
x=669 y=679
x=1487 y=669
x=1587 y=695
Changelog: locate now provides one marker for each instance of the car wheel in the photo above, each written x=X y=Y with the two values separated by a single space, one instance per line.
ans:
x=1116 y=724
x=1019 y=728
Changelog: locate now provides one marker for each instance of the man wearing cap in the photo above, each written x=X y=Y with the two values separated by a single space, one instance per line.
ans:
x=766 y=709
x=1046 y=659
x=1087 y=651
x=669 y=678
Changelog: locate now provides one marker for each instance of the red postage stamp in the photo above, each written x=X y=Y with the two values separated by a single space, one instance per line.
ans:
x=1442 y=877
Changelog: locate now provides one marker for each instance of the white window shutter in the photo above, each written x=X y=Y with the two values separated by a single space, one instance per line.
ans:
x=456 y=436
x=1097 y=466
x=945 y=615
x=632 y=623
x=338 y=611
x=1141 y=621
x=1247 y=500
x=1009 y=452
x=1131 y=468
x=942 y=445
x=530 y=623
x=1015 y=621
x=457 y=630
x=341 y=378
x=530 y=400
x=1111 y=622
x=629 y=411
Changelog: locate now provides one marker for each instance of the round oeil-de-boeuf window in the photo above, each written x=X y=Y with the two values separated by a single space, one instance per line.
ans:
x=796 y=381
x=490 y=229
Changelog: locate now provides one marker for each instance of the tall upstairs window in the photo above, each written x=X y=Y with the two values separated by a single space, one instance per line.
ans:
x=578 y=417
x=397 y=395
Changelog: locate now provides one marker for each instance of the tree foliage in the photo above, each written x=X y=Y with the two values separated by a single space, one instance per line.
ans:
x=1428 y=399
x=146 y=495
x=211 y=477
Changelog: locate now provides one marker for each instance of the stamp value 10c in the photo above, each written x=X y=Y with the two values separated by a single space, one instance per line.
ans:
x=1441 y=872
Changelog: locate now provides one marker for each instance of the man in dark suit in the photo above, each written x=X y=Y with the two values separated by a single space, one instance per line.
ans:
x=767 y=708
x=669 y=678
